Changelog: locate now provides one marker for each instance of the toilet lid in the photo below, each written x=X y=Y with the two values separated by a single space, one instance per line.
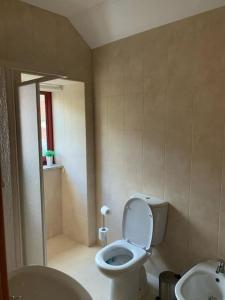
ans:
x=138 y=223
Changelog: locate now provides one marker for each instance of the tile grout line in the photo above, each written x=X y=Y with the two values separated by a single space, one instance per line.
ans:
x=190 y=173
x=143 y=126
x=191 y=160
x=165 y=126
x=221 y=192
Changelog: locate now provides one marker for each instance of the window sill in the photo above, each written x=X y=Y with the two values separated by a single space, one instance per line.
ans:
x=54 y=166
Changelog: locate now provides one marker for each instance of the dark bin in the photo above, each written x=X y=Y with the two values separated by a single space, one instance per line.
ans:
x=167 y=282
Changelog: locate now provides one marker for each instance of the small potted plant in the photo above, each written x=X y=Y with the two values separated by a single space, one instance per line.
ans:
x=49 y=157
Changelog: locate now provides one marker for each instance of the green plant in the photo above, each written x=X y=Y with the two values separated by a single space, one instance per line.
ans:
x=49 y=153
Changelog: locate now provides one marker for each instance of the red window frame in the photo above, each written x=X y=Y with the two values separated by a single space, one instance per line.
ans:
x=49 y=122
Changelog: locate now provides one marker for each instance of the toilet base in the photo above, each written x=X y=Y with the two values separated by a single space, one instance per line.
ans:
x=129 y=286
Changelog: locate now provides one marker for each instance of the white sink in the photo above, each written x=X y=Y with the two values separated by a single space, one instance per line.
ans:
x=201 y=283
x=43 y=283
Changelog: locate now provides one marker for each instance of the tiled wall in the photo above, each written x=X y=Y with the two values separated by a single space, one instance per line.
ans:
x=160 y=112
x=53 y=201
x=69 y=122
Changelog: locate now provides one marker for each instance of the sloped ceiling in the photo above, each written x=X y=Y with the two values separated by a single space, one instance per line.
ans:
x=102 y=21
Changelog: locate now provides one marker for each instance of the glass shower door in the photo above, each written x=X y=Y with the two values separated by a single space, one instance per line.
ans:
x=30 y=168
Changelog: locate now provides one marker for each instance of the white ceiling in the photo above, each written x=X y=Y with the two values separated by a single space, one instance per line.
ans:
x=102 y=21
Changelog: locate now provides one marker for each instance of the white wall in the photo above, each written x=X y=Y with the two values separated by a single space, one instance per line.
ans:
x=70 y=145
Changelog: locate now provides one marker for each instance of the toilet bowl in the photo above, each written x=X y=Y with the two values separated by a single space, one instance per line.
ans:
x=144 y=223
x=120 y=257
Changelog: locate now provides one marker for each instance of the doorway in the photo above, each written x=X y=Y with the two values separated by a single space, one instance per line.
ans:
x=52 y=124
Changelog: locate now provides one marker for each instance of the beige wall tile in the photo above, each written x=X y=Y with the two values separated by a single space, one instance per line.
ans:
x=133 y=111
x=221 y=249
x=53 y=202
x=2 y=33
x=205 y=183
x=116 y=199
x=132 y=146
x=154 y=115
x=115 y=145
x=182 y=53
x=175 y=246
x=203 y=238
x=18 y=35
x=116 y=76
x=153 y=163
x=207 y=157
x=178 y=153
x=44 y=48
x=155 y=50
x=102 y=145
x=132 y=162
x=101 y=108
x=155 y=83
x=133 y=75
x=115 y=112
x=181 y=91
x=209 y=44
x=221 y=241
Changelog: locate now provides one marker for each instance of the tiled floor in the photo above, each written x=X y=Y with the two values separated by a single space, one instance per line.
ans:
x=78 y=261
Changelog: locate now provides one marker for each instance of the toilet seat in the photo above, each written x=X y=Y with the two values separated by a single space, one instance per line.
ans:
x=137 y=227
x=137 y=256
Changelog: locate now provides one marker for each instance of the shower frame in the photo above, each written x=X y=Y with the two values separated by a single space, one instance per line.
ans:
x=9 y=165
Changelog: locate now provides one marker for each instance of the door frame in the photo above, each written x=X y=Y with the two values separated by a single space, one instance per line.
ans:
x=9 y=167
x=10 y=77
x=4 y=291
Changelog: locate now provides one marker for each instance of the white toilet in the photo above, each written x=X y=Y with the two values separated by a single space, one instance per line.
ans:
x=144 y=224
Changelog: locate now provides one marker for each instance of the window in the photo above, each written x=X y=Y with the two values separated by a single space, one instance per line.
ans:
x=46 y=123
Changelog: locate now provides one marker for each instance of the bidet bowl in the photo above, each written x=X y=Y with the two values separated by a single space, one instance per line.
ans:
x=201 y=283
